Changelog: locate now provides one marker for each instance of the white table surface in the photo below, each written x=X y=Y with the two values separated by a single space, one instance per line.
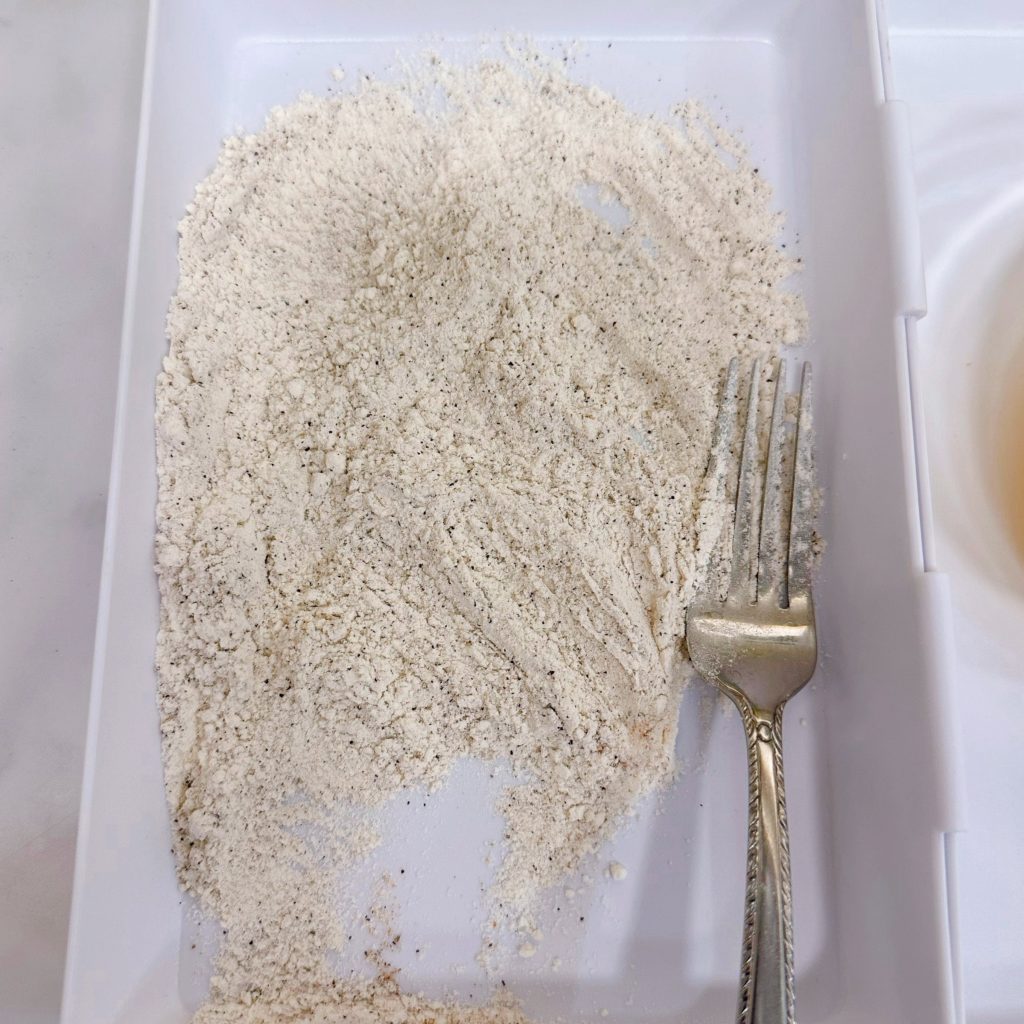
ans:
x=70 y=73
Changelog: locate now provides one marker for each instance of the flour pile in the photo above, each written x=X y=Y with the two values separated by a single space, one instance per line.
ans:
x=431 y=434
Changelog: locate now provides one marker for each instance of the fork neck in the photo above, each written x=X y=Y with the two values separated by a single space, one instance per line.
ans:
x=766 y=982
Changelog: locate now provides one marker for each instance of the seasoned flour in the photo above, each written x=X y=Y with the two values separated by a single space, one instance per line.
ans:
x=431 y=435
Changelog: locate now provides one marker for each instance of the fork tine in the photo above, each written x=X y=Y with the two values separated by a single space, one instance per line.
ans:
x=771 y=573
x=718 y=484
x=747 y=522
x=722 y=439
x=801 y=518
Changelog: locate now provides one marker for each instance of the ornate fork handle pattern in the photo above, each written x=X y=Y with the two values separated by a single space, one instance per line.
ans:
x=766 y=972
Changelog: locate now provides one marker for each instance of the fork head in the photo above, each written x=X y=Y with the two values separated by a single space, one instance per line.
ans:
x=758 y=642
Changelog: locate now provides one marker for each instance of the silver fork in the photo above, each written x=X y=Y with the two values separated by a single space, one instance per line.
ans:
x=758 y=645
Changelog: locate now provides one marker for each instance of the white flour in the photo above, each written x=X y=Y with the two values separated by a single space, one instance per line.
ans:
x=431 y=435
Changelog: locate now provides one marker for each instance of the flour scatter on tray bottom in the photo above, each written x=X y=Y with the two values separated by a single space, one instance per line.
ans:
x=431 y=433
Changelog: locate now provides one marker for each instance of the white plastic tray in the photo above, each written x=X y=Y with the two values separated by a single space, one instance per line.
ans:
x=867 y=776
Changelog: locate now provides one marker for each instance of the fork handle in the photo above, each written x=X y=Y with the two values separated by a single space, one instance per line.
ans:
x=766 y=973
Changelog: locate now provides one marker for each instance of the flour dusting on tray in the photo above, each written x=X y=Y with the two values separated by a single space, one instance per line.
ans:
x=444 y=362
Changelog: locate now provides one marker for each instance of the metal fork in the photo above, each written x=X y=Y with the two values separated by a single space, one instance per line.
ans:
x=758 y=645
